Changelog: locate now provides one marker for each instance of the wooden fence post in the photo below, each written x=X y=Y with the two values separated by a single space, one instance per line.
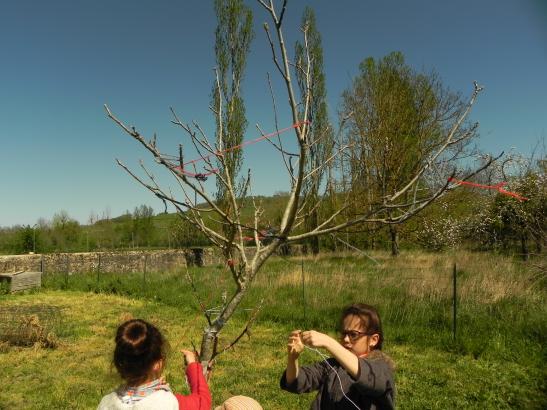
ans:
x=454 y=302
x=144 y=273
x=67 y=263
x=303 y=289
x=98 y=267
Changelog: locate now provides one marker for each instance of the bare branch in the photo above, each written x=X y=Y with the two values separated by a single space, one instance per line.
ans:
x=246 y=330
x=198 y=299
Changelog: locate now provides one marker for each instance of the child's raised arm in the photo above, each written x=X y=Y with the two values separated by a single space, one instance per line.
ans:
x=200 y=396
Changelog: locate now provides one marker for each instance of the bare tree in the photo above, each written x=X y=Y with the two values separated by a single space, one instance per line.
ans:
x=244 y=266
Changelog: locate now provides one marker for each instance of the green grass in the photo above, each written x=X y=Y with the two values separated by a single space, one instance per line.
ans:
x=496 y=361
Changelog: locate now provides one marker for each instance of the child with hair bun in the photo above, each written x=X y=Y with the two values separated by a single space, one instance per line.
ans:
x=139 y=357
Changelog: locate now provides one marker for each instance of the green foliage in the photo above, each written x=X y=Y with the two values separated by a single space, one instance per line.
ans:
x=65 y=232
x=391 y=105
x=522 y=219
x=507 y=223
x=464 y=218
x=143 y=226
x=5 y=287
x=233 y=37
x=186 y=235
x=25 y=241
x=497 y=360
x=397 y=118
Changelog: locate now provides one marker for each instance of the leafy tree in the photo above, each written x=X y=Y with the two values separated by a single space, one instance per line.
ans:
x=186 y=235
x=125 y=229
x=522 y=221
x=65 y=231
x=396 y=119
x=143 y=225
x=25 y=242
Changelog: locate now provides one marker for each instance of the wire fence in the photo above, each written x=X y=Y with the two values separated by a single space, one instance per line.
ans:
x=452 y=284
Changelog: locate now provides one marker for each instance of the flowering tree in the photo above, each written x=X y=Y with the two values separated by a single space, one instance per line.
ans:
x=507 y=219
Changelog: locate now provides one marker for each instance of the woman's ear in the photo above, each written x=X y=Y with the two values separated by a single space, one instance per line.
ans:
x=373 y=340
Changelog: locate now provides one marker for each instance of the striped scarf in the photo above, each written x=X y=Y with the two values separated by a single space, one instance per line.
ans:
x=130 y=395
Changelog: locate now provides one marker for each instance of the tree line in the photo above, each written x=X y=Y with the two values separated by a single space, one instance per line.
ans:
x=470 y=218
x=140 y=229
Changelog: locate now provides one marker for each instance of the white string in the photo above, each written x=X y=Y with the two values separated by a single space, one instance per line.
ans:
x=335 y=372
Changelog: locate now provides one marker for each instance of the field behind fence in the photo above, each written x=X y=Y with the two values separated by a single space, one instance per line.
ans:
x=494 y=360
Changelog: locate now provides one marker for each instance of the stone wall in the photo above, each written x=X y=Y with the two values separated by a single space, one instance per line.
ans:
x=213 y=256
x=131 y=261
x=120 y=262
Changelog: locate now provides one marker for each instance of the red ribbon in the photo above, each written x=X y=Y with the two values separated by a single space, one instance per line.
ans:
x=263 y=137
x=497 y=187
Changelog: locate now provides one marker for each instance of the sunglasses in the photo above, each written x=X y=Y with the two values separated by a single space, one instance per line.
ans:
x=353 y=335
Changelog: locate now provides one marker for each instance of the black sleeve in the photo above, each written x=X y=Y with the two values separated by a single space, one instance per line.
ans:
x=375 y=379
x=309 y=378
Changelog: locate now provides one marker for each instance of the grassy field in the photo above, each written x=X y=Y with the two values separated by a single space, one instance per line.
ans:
x=496 y=362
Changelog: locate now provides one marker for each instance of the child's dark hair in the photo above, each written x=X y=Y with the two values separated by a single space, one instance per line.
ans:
x=370 y=319
x=139 y=345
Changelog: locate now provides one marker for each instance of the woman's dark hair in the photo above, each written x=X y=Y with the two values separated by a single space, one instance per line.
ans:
x=139 y=345
x=370 y=319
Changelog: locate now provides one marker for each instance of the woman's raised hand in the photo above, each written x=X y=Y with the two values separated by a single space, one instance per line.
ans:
x=313 y=338
x=295 y=345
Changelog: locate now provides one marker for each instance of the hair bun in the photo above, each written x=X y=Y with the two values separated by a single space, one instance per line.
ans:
x=139 y=345
x=135 y=331
x=134 y=337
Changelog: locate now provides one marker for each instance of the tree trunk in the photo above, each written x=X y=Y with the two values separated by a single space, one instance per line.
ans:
x=209 y=340
x=524 y=246
x=314 y=241
x=394 y=240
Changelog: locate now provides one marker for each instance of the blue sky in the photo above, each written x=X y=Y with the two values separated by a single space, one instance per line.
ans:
x=61 y=60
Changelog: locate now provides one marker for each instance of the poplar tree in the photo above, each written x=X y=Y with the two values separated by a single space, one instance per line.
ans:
x=309 y=63
x=233 y=36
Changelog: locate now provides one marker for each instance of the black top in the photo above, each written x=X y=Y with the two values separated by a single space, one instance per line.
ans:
x=373 y=389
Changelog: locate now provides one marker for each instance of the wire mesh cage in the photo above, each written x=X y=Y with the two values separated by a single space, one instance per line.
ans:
x=30 y=325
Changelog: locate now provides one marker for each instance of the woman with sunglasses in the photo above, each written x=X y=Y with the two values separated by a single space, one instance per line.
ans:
x=357 y=376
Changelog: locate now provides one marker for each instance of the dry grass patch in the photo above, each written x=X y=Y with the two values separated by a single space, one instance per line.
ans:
x=79 y=371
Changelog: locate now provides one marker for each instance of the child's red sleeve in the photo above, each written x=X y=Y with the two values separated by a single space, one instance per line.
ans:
x=199 y=397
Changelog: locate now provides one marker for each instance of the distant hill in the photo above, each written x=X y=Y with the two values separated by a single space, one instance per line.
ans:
x=273 y=207
x=124 y=231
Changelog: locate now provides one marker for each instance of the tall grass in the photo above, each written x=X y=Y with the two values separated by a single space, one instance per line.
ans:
x=498 y=300
x=502 y=314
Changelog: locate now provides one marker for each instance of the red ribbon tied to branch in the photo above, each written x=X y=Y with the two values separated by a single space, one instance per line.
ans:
x=497 y=187
x=203 y=176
